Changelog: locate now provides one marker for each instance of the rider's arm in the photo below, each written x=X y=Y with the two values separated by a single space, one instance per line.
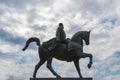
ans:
x=58 y=34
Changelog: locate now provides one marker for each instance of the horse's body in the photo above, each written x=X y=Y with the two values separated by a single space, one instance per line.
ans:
x=60 y=52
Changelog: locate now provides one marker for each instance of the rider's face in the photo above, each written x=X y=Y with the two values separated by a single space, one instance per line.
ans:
x=61 y=26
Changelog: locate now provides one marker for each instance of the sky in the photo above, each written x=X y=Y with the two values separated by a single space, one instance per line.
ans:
x=22 y=19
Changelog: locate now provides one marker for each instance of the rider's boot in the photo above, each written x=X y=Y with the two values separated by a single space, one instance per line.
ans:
x=70 y=46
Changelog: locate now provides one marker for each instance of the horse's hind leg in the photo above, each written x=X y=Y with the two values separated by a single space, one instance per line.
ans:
x=42 y=61
x=50 y=68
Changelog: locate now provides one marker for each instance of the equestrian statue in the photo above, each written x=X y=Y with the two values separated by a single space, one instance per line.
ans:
x=62 y=49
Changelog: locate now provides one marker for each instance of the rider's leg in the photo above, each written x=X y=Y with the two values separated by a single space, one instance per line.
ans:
x=70 y=46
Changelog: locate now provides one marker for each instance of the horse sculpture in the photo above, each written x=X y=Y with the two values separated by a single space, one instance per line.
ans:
x=73 y=55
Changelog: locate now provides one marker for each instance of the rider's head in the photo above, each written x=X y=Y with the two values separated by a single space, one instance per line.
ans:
x=61 y=25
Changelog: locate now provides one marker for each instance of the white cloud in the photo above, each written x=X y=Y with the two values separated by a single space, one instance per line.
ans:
x=111 y=77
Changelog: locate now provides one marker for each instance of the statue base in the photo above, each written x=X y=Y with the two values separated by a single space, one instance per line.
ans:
x=61 y=79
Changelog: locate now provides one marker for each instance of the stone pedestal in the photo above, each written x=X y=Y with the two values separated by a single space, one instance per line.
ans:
x=61 y=79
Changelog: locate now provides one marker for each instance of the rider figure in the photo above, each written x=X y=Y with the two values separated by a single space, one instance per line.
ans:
x=60 y=34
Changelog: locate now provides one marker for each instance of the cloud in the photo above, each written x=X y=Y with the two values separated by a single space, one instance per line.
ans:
x=105 y=67
x=23 y=3
x=8 y=37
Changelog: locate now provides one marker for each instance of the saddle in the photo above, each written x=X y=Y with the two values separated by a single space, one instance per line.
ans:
x=52 y=43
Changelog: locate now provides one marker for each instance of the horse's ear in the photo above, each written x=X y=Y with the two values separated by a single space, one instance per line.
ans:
x=90 y=30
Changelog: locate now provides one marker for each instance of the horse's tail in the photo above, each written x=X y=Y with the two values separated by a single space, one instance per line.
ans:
x=32 y=39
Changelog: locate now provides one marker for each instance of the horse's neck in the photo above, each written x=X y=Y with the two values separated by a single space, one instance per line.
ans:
x=78 y=40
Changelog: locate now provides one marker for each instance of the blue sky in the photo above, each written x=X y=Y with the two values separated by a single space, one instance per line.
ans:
x=21 y=19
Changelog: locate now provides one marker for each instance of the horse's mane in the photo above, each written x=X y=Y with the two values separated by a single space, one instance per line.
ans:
x=77 y=35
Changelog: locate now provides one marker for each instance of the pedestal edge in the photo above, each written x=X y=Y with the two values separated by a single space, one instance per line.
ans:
x=62 y=78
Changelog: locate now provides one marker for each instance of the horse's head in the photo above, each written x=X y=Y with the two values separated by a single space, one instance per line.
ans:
x=85 y=35
x=82 y=35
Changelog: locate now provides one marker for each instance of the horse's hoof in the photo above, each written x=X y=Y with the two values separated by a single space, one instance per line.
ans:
x=34 y=76
x=23 y=49
x=89 y=66
x=81 y=77
x=58 y=76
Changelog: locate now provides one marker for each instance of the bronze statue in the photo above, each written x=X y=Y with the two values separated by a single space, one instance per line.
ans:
x=52 y=49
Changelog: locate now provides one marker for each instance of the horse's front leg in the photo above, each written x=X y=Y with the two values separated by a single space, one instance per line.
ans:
x=84 y=55
x=50 y=68
x=76 y=62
